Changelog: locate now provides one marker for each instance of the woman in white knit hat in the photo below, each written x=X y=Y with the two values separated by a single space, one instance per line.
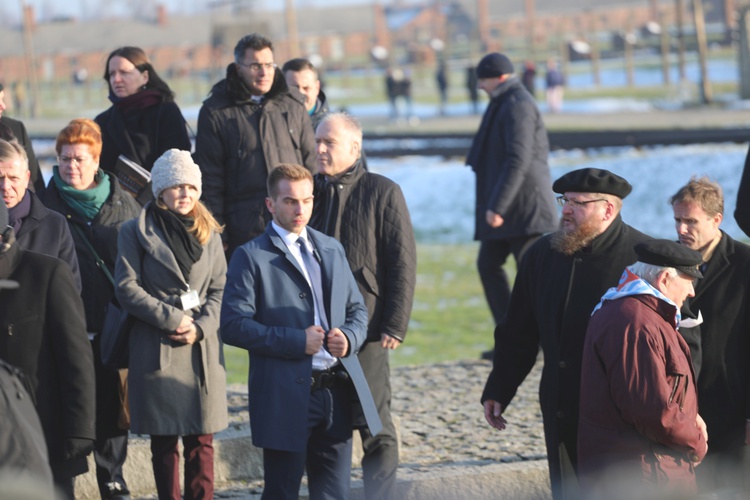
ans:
x=170 y=275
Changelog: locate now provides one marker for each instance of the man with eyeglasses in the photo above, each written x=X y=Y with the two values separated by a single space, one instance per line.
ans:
x=560 y=280
x=37 y=228
x=514 y=204
x=249 y=123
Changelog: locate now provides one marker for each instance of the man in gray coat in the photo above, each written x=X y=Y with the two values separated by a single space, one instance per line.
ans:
x=367 y=213
x=514 y=200
x=249 y=124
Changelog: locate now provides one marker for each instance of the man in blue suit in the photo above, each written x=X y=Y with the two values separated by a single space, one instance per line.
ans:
x=292 y=302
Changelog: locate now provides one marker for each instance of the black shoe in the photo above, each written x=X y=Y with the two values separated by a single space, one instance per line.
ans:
x=116 y=491
x=487 y=355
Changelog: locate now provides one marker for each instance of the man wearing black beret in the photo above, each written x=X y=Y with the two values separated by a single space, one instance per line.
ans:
x=639 y=433
x=514 y=203
x=560 y=280
x=720 y=345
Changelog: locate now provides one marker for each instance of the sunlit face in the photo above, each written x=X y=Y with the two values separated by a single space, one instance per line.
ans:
x=3 y=107
x=180 y=199
x=677 y=288
x=695 y=228
x=14 y=181
x=584 y=210
x=308 y=85
x=257 y=70
x=77 y=166
x=337 y=149
x=124 y=78
x=292 y=206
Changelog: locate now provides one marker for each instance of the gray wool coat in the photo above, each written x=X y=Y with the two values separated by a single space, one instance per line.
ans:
x=174 y=388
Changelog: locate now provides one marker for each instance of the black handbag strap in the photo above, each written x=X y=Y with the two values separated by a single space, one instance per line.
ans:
x=99 y=262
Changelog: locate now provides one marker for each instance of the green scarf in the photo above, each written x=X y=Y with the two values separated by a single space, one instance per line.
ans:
x=84 y=202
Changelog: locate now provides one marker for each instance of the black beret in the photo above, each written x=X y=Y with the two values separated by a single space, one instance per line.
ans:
x=493 y=65
x=592 y=180
x=667 y=253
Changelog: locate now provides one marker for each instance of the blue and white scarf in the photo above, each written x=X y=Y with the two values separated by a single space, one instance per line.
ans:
x=632 y=284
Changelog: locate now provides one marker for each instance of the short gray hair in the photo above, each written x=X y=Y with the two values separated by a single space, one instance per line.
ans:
x=650 y=272
x=11 y=151
x=351 y=124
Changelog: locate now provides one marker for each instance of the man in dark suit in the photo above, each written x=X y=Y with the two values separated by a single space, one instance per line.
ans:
x=722 y=300
x=292 y=302
x=43 y=332
x=20 y=134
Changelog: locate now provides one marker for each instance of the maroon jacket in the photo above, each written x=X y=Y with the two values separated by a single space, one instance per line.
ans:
x=638 y=398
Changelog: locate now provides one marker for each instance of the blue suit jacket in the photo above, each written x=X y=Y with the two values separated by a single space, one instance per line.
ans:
x=267 y=306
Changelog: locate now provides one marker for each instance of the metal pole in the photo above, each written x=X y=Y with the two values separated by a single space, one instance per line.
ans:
x=664 y=46
x=700 y=34
x=291 y=29
x=30 y=59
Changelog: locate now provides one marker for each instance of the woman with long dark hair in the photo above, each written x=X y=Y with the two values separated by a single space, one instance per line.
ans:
x=143 y=121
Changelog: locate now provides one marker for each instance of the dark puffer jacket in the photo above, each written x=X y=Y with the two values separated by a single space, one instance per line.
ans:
x=509 y=157
x=367 y=213
x=102 y=233
x=239 y=141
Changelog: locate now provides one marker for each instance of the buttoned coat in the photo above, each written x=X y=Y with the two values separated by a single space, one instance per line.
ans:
x=175 y=388
x=267 y=306
x=509 y=156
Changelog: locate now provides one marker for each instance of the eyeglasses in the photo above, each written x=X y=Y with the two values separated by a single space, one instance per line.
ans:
x=256 y=66
x=562 y=201
x=68 y=160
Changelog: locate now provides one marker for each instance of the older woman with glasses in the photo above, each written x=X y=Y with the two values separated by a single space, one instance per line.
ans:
x=143 y=121
x=95 y=206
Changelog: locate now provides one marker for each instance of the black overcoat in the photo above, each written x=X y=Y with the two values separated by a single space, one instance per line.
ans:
x=509 y=156
x=22 y=136
x=42 y=331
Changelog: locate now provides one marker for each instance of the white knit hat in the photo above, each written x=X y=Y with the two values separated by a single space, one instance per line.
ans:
x=174 y=168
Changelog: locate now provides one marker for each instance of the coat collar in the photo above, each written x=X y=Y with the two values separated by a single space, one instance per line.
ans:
x=717 y=266
x=37 y=212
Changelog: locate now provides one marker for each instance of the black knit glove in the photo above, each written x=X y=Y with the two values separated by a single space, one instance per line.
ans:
x=78 y=448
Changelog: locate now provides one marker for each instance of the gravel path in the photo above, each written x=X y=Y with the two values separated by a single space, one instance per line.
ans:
x=442 y=421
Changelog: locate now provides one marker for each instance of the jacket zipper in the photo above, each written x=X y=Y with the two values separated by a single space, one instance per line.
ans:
x=674 y=389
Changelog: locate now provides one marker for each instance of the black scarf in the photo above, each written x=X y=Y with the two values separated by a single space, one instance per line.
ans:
x=140 y=100
x=184 y=245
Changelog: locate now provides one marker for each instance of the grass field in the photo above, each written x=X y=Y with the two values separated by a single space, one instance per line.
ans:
x=450 y=320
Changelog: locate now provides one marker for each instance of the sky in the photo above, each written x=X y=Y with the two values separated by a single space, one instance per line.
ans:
x=86 y=9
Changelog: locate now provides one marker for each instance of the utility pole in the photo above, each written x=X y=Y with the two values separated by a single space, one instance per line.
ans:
x=680 y=40
x=700 y=34
x=291 y=29
x=664 y=38
x=530 y=6
x=30 y=58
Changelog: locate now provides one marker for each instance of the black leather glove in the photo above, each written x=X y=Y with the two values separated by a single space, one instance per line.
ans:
x=78 y=448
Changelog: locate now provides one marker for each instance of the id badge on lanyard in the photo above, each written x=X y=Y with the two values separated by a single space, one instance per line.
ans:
x=190 y=300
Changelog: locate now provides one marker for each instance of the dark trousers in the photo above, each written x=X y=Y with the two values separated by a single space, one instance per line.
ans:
x=380 y=460
x=111 y=444
x=328 y=457
x=199 y=466
x=490 y=262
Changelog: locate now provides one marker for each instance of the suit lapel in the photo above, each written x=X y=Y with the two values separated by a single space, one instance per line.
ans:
x=326 y=270
x=717 y=266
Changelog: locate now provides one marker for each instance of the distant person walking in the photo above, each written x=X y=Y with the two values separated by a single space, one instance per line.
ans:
x=555 y=83
x=528 y=77
x=441 y=78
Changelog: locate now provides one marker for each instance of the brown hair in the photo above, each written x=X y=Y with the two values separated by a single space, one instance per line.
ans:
x=286 y=171
x=703 y=191
x=204 y=224
x=140 y=60
x=81 y=131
